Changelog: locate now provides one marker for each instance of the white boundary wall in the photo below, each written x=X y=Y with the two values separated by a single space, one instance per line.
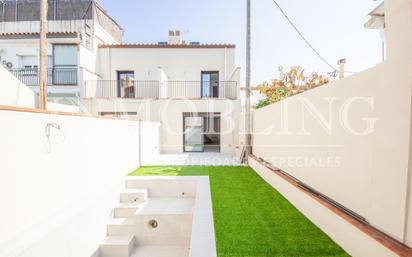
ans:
x=353 y=240
x=13 y=92
x=57 y=194
x=369 y=174
x=62 y=107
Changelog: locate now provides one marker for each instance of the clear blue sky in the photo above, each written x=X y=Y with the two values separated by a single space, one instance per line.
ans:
x=334 y=27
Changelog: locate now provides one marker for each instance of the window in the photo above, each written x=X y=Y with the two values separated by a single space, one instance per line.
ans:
x=64 y=70
x=64 y=56
x=125 y=84
x=30 y=67
x=30 y=62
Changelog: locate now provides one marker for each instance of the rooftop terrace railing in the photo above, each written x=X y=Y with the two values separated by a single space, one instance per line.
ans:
x=55 y=76
x=155 y=89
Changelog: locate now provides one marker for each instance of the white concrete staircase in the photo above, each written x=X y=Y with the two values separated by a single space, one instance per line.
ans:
x=132 y=233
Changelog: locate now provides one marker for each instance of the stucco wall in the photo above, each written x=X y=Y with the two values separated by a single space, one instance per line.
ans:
x=178 y=64
x=57 y=193
x=88 y=58
x=150 y=142
x=170 y=115
x=353 y=143
x=62 y=107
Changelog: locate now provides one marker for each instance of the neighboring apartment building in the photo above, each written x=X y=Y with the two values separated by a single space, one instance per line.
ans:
x=191 y=88
x=75 y=29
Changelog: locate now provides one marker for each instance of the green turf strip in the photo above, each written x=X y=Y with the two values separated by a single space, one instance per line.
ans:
x=251 y=218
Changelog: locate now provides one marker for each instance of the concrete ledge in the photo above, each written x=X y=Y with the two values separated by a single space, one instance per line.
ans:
x=203 y=243
x=351 y=238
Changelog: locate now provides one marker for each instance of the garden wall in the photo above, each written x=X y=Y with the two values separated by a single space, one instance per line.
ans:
x=59 y=183
x=350 y=140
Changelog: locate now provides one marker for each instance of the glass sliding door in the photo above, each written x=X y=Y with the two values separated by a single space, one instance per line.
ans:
x=201 y=132
x=193 y=134
x=211 y=132
x=210 y=84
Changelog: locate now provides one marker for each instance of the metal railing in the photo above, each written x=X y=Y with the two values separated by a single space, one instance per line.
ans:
x=195 y=89
x=122 y=89
x=159 y=89
x=55 y=76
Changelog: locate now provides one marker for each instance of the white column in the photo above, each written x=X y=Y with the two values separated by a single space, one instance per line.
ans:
x=163 y=87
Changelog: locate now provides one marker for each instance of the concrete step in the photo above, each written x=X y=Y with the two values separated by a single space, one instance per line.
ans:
x=121 y=221
x=168 y=206
x=155 y=206
x=124 y=210
x=174 y=229
x=160 y=251
x=117 y=246
x=164 y=187
x=134 y=196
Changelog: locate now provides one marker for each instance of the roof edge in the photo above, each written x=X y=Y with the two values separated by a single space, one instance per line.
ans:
x=167 y=46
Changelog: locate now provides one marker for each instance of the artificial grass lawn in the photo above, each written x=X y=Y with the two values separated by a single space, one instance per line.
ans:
x=251 y=218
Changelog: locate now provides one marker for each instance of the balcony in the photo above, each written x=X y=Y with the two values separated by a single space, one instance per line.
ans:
x=154 y=89
x=55 y=76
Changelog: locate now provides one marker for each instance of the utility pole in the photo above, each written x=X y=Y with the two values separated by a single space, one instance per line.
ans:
x=248 y=135
x=43 y=54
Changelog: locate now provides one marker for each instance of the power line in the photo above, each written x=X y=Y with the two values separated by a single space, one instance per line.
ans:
x=302 y=36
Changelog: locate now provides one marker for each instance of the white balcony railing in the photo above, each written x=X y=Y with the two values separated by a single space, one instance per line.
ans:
x=155 y=89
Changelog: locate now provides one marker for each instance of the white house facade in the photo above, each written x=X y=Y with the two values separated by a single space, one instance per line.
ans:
x=191 y=88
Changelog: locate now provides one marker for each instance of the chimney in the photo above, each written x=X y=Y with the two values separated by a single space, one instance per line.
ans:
x=175 y=37
x=341 y=64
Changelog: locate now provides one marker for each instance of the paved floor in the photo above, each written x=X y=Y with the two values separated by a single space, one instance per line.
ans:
x=203 y=159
